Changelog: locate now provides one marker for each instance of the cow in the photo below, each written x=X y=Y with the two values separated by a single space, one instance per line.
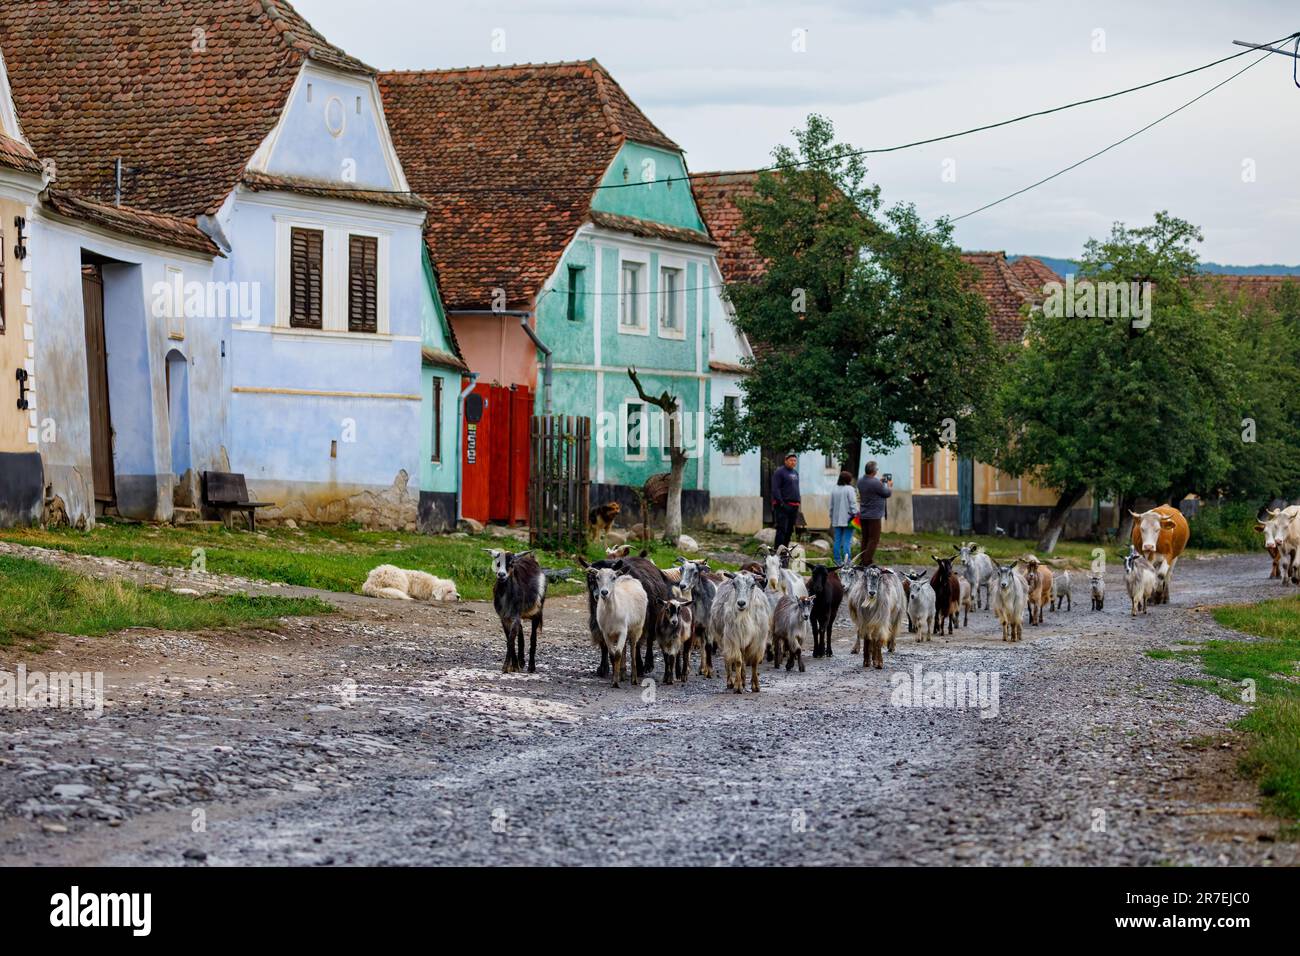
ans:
x=1275 y=525
x=1160 y=533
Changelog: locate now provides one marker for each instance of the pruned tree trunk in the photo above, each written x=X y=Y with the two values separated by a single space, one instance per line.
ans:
x=1056 y=520
x=669 y=405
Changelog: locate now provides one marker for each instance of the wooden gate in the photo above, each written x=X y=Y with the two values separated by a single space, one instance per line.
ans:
x=560 y=484
x=101 y=421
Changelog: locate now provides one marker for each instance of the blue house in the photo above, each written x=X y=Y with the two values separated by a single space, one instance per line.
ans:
x=288 y=343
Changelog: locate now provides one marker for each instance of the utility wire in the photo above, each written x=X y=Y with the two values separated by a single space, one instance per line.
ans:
x=1072 y=166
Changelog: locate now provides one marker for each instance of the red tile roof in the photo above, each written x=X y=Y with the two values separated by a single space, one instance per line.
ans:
x=716 y=195
x=15 y=155
x=1005 y=291
x=139 y=224
x=509 y=157
x=263 y=182
x=1034 y=273
x=1254 y=287
x=96 y=81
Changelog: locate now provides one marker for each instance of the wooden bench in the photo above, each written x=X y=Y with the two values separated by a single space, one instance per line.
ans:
x=228 y=493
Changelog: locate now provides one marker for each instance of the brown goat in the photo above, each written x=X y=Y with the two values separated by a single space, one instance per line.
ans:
x=1038 y=578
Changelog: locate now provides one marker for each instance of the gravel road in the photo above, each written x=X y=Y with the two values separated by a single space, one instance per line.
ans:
x=386 y=734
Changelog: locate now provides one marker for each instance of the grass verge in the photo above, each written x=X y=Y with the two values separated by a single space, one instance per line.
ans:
x=1274 y=723
x=36 y=599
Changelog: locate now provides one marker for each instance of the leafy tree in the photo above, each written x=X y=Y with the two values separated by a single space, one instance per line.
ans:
x=1118 y=406
x=861 y=320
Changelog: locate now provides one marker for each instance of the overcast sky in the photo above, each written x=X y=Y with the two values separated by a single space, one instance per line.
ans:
x=723 y=78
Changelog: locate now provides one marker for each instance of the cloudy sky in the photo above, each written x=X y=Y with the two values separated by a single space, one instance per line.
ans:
x=727 y=80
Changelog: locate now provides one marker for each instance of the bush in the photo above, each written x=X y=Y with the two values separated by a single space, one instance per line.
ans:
x=1226 y=527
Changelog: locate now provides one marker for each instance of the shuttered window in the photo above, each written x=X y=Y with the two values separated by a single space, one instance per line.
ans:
x=305 y=278
x=363 y=284
x=437 y=420
x=2 y=282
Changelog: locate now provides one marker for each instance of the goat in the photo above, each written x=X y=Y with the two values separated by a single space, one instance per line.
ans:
x=1009 y=600
x=702 y=585
x=1140 y=580
x=791 y=629
x=793 y=557
x=881 y=610
x=964 y=598
x=675 y=629
x=782 y=579
x=739 y=623
x=947 y=593
x=518 y=595
x=1038 y=579
x=616 y=551
x=977 y=568
x=1061 y=592
x=597 y=639
x=827 y=593
x=621 y=615
x=387 y=581
x=656 y=589
x=1097 y=584
x=920 y=605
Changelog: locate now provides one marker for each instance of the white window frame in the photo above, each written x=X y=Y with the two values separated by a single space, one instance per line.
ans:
x=334 y=269
x=668 y=264
x=644 y=434
x=830 y=465
x=640 y=298
x=175 y=311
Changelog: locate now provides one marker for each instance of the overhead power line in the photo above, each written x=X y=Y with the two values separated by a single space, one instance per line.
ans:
x=1121 y=142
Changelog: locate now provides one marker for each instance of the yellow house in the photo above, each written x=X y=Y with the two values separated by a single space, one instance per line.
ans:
x=22 y=486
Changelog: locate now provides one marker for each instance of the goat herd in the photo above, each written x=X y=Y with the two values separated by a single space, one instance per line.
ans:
x=767 y=611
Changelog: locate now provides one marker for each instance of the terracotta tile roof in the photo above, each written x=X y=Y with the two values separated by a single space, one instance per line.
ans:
x=262 y=182
x=443 y=359
x=509 y=158
x=15 y=155
x=98 y=80
x=1254 y=287
x=729 y=367
x=137 y=223
x=1004 y=291
x=647 y=229
x=716 y=195
x=1034 y=273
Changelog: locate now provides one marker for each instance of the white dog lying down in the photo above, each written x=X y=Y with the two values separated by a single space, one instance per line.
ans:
x=387 y=581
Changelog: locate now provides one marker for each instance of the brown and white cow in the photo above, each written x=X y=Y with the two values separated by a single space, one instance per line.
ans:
x=1161 y=535
x=1288 y=542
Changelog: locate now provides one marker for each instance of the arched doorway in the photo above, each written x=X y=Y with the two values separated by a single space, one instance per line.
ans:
x=178 y=419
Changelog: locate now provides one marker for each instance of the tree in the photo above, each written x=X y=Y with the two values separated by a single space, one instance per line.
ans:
x=669 y=405
x=1111 y=403
x=862 y=320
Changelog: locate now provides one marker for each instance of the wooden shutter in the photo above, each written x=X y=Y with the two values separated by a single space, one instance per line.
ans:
x=305 y=278
x=363 y=284
x=436 y=457
x=2 y=281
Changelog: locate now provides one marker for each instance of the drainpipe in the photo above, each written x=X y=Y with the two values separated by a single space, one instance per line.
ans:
x=460 y=451
x=523 y=318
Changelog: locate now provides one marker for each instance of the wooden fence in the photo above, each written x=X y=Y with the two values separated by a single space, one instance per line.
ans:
x=559 y=487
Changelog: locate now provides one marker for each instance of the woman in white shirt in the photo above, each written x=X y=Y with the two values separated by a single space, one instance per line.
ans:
x=844 y=508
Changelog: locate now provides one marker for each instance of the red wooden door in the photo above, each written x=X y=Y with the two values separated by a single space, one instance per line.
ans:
x=476 y=469
x=495 y=463
x=521 y=415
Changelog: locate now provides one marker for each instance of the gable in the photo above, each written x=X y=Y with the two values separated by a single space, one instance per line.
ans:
x=332 y=130
x=670 y=203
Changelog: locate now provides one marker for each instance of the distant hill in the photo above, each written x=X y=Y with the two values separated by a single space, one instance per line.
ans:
x=1064 y=267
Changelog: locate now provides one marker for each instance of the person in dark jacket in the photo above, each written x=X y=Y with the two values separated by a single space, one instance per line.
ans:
x=872 y=493
x=785 y=499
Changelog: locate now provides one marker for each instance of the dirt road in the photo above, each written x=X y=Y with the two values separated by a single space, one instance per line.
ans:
x=388 y=735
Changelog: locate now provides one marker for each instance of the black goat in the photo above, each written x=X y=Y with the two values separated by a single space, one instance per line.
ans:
x=827 y=593
x=947 y=594
x=518 y=595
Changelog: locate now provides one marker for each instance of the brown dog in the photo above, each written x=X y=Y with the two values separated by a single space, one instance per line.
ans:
x=601 y=519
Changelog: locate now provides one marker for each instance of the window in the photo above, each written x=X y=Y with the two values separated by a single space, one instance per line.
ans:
x=630 y=304
x=731 y=407
x=830 y=464
x=669 y=424
x=670 y=300
x=363 y=284
x=436 y=457
x=927 y=471
x=634 y=440
x=306 y=266
x=576 y=292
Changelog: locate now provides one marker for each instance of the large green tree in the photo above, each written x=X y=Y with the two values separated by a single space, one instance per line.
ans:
x=861 y=319
x=1128 y=406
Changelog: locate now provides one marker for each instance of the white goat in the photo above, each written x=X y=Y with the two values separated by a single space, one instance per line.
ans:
x=920 y=605
x=978 y=568
x=1097 y=584
x=620 y=615
x=881 y=611
x=782 y=579
x=1010 y=600
x=1061 y=591
x=740 y=623
x=1141 y=581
